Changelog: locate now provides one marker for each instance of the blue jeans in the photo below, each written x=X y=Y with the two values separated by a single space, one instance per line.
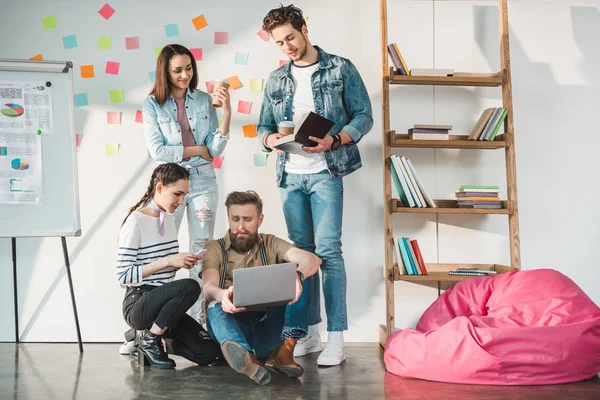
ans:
x=200 y=205
x=259 y=332
x=313 y=206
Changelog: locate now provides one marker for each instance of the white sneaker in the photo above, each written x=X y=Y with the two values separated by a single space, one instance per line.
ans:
x=126 y=348
x=332 y=355
x=308 y=344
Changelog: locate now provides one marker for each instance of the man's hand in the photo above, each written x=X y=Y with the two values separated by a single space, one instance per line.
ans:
x=227 y=303
x=323 y=144
x=271 y=138
x=298 y=290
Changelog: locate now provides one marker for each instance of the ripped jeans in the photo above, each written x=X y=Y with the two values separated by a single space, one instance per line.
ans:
x=200 y=204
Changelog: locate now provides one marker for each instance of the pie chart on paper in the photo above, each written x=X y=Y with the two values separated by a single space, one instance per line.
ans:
x=19 y=164
x=12 y=110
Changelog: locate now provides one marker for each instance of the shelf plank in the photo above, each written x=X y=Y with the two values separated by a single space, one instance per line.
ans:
x=450 y=207
x=439 y=272
x=458 y=79
x=453 y=142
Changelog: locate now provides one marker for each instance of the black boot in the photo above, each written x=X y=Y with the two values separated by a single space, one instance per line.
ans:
x=152 y=351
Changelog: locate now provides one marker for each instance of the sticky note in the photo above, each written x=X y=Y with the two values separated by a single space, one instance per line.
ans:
x=152 y=76
x=263 y=34
x=70 y=42
x=218 y=162
x=87 y=71
x=172 y=30
x=49 y=22
x=113 y=117
x=244 y=107
x=157 y=51
x=138 y=116
x=283 y=62
x=106 y=11
x=199 y=22
x=197 y=53
x=112 y=67
x=112 y=149
x=234 y=82
x=117 y=96
x=105 y=43
x=260 y=160
x=132 y=43
x=256 y=84
x=249 y=130
x=210 y=86
x=221 y=37
x=81 y=99
x=241 y=58
x=37 y=57
x=78 y=139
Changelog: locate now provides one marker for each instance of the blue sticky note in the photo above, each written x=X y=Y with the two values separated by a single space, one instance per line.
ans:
x=260 y=160
x=241 y=58
x=172 y=30
x=81 y=100
x=70 y=42
x=152 y=76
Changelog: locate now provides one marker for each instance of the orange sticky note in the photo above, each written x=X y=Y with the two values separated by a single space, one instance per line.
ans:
x=78 y=139
x=244 y=107
x=234 y=82
x=37 y=57
x=249 y=130
x=199 y=22
x=87 y=71
x=263 y=34
x=218 y=162
x=138 y=116
x=210 y=86
x=113 y=117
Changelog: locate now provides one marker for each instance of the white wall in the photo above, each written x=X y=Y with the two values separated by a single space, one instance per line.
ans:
x=554 y=55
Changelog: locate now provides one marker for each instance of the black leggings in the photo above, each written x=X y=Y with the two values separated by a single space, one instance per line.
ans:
x=166 y=306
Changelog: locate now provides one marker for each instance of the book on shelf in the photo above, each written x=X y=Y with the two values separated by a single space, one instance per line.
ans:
x=489 y=124
x=413 y=183
x=310 y=124
x=434 y=127
x=482 y=271
x=429 y=136
x=398 y=60
x=408 y=257
x=431 y=72
x=476 y=194
x=398 y=256
x=479 y=188
x=428 y=200
x=478 y=128
x=410 y=188
x=466 y=273
x=481 y=206
x=431 y=131
x=405 y=257
x=417 y=250
x=401 y=183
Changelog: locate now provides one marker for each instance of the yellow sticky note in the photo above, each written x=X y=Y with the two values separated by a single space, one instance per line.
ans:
x=158 y=50
x=234 y=82
x=256 y=84
x=199 y=22
x=87 y=71
x=49 y=22
x=249 y=130
x=112 y=149
x=105 y=43
x=117 y=96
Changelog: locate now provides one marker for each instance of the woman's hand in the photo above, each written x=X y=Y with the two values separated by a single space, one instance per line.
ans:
x=182 y=260
x=222 y=94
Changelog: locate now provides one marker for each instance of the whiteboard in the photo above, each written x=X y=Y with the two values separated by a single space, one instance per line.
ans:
x=58 y=213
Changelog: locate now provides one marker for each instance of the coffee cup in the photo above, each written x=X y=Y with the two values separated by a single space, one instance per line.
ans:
x=286 y=128
x=221 y=82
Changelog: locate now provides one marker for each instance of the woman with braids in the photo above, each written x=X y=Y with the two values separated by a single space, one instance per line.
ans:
x=148 y=258
x=181 y=126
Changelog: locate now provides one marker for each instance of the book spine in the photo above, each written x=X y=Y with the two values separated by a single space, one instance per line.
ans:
x=417 y=250
x=465 y=273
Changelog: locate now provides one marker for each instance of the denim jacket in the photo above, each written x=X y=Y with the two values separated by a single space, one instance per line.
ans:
x=339 y=95
x=163 y=133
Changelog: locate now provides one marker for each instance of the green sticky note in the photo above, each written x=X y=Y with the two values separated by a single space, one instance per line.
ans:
x=105 y=43
x=256 y=84
x=157 y=50
x=112 y=149
x=49 y=22
x=117 y=96
x=260 y=160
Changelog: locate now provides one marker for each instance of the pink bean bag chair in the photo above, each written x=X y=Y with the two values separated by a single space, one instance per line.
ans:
x=533 y=327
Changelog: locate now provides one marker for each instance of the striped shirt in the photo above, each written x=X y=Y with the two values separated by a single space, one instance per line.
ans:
x=140 y=244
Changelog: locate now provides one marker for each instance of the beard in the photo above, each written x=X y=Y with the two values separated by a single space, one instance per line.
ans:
x=301 y=52
x=243 y=244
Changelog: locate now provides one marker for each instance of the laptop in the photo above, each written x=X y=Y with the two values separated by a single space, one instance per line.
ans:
x=258 y=288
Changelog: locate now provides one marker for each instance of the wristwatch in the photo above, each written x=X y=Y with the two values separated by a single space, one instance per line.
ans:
x=300 y=276
x=337 y=141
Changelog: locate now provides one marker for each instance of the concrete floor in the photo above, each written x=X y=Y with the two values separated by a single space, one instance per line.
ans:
x=56 y=371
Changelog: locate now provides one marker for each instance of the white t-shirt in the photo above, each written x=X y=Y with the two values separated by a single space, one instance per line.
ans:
x=309 y=163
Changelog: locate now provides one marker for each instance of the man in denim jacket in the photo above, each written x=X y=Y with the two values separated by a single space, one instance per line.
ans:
x=311 y=185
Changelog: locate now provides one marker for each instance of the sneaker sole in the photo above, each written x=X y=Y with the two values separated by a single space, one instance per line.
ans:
x=290 y=372
x=239 y=359
x=303 y=352
x=331 y=365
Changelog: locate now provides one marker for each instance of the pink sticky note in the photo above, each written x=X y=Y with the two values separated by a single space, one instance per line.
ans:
x=106 y=11
x=221 y=37
x=263 y=35
x=113 y=117
x=197 y=53
x=210 y=85
x=244 y=107
x=283 y=62
x=138 y=116
x=218 y=162
x=78 y=139
x=112 y=67
x=132 y=43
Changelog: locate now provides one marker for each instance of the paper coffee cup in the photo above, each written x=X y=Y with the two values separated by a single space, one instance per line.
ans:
x=221 y=82
x=286 y=128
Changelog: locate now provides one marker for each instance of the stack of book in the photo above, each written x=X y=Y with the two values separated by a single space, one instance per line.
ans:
x=472 y=272
x=432 y=72
x=408 y=257
x=475 y=196
x=430 y=132
x=397 y=60
x=410 y=189
x=489 y=123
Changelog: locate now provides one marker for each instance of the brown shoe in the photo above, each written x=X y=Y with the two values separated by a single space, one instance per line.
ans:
x=244 y=362
x=282 y=360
